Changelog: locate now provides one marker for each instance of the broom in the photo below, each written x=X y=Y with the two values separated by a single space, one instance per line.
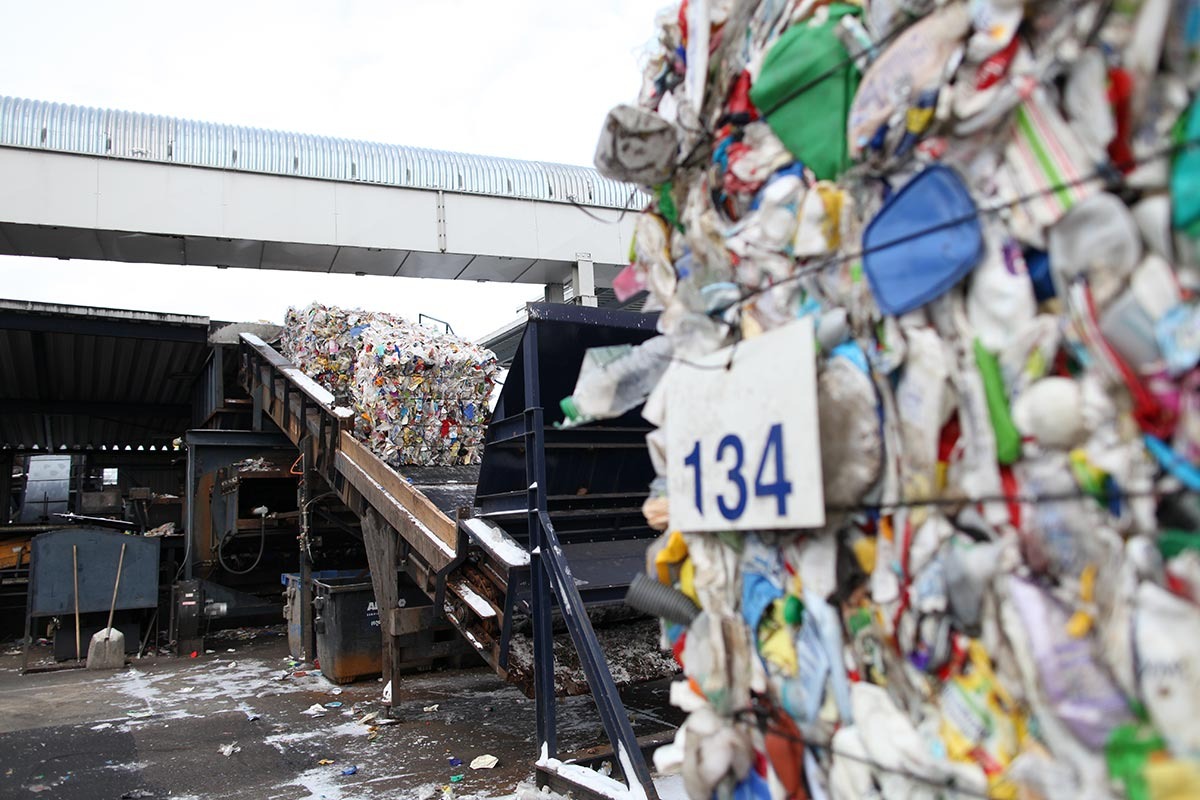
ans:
x=107 y=649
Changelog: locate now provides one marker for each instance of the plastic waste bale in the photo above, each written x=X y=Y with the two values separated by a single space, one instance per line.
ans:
x=324 y=342
x=989 y=211
x=421 y=398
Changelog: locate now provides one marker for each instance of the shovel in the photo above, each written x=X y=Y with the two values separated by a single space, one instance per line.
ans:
x=107 y=649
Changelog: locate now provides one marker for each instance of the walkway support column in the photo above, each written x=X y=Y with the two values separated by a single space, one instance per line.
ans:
x=583 y=280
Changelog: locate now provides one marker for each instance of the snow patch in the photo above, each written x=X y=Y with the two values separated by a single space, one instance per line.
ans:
x=493 y=539
x=236 y=681
x=476 y=601
x=591 y=780
x=280 y=740
x=670 y=787
x=636 y=791
x=322 y=783
x=354 y=728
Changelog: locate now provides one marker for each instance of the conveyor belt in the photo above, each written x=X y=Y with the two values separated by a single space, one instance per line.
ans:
x=449 y=488
x=597 y=479
x=551 y=520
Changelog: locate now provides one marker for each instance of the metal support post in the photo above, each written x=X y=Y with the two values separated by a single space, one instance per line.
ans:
x=555 y=293
x=304 y=493
x=189 y=513
x=552 y=581
x=6 y=465
x=604 y=689
x=541 y=600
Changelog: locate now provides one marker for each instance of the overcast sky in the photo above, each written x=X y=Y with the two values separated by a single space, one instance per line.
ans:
x=529 y=80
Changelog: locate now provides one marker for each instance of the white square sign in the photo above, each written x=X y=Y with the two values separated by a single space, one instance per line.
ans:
x=743 y=445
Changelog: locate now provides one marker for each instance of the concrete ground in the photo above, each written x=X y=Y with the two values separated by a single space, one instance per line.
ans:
x=232 y=724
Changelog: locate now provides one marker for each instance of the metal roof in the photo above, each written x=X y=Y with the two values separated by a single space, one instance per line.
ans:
x=73 y=377
x=40 y=125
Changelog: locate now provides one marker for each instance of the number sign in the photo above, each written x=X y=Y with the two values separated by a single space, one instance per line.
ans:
x=742 y=442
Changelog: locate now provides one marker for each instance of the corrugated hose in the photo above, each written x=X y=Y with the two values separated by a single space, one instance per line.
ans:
x=651 y=597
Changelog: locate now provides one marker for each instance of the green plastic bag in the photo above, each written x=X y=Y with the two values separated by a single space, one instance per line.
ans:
x=805 y=89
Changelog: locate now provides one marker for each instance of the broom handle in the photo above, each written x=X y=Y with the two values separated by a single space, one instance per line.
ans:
x=75 y=575
x=112 y=608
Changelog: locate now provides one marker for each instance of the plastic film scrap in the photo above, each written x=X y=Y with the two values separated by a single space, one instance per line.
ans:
x=990 y=212
x=420 y=398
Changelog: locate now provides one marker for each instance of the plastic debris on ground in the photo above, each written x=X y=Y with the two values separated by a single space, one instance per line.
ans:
x=420 y=398
x=484 y=762
x=456 y=772
x=987 y=212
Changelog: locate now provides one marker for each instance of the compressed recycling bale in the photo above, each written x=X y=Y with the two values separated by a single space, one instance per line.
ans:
x=990 y=210
x=421 y=398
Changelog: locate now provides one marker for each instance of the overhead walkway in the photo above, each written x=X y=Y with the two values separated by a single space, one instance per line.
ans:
x=86 y=183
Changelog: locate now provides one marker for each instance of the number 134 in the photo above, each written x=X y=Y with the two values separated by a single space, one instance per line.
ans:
x=731 y=455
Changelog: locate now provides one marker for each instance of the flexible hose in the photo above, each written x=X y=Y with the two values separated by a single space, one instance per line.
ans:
x=651 y=597
x=262 y=543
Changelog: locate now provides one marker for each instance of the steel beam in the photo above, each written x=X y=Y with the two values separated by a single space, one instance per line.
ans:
x=541 y=600
x=33 y=405
x=95 y=326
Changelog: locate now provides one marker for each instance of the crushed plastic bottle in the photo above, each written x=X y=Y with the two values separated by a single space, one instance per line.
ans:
x=615 y=379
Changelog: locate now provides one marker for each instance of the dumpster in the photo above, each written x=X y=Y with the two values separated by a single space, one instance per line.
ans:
x=346 y=619
x=347 y=625
x=291 y=602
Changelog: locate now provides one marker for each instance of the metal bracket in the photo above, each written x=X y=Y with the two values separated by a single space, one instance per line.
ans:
x=441 y=221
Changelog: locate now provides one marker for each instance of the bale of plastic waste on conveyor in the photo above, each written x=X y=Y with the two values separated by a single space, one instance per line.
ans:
x=323 y=341
x=420 y=397
x=990 y=212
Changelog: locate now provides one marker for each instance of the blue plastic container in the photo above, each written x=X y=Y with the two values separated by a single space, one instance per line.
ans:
x=924 y=240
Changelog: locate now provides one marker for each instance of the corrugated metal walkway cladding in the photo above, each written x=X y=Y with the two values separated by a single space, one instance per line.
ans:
x=40 y=125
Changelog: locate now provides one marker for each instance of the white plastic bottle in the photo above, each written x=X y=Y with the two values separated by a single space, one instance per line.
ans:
x=612 y=380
